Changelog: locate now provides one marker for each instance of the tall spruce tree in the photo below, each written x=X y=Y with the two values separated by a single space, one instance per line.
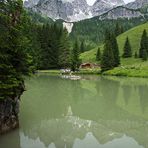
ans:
x=107 y=35
x=127 y=51
x=143 y=51
x=107 y=61
x=118 y=29
x=98 y=55
x=64 y=50
x=82 y=47
x=115 y=49
x=136 y=55
x=75 y=60
x=14 y=61
x=145 y=55
x=45 y=41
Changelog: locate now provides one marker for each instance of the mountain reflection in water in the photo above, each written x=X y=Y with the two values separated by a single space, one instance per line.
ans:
x=94 y=112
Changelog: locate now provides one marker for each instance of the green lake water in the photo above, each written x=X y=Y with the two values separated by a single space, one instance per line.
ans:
x=93 y=112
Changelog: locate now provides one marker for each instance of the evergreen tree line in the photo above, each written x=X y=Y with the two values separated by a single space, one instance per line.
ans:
x=112 y=36
x=143 y=51
x=92 y=30
x=111 y=56
x=52 y=49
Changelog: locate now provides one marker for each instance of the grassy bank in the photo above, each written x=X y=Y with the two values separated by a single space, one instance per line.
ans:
x=128 y=72
x=128 y=69
x=137 y=70
x=134 y=35
x=49 y=71
x=82 y=71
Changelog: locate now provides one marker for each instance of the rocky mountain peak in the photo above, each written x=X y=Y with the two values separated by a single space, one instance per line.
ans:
x=137 y=4
x=75 y=10
x=110 y=2
x=30 y=3
x=102 y=6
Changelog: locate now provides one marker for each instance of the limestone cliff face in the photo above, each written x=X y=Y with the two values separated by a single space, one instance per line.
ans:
x=76 y=10
x=59 y=9
x=30 y=3
x=137 y=4
x=102 y=6
x=9 y=111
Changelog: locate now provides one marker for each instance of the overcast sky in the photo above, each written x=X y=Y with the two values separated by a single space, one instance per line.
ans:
x=90 y=2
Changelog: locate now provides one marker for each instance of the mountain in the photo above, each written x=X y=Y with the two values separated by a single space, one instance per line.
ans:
x=137 y=4
x=102 y=6
x=134 y=35
x=30 y=3
x=60 y=9
x=73 y=10
x=76 y=10
x=121 y=12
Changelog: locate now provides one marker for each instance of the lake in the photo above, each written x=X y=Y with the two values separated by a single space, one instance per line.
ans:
x=93 y=112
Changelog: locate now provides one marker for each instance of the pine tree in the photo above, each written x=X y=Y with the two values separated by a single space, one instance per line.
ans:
x=136 y=55
x=143 y=51
x=115 y=50
x=107 y=35
x=107 y=61
x=82 y=47
x=145 y=56
x=118 y=29
x=52 y=41
x=64 y=51
x=75 y=57
x=98 y=55
x=14 y=61
x=127 y=52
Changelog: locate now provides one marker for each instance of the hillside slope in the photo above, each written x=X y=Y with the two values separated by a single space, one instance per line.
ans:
x=92 y=30
x=134 y=35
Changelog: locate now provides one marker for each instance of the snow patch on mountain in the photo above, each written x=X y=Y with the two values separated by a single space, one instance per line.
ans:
x=68 y=26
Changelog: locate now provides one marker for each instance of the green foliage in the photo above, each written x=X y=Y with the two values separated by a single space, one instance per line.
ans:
x=115 y=49
x=131 y=67
x=107 y=61
x=98 y=55
x=64 y=51
x=75 y=57
x=36 y=18
x=118 y=29
x=127 y=49
x=144 y=9
x=55 y=47
x=143 y=51
x=82 y=47
x=93 y=30
x=134 y=35
x=110 y=58
x=14 y=60
x=136 y=54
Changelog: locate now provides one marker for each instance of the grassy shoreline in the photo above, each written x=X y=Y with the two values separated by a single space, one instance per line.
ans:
x=126 y=72
x=120 y=71
x=89 y=71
